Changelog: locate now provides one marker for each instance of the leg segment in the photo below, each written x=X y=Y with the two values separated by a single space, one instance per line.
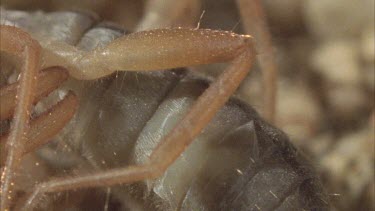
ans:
x=147 y=50
x=44 y=127
x=49 y=79
x=17 y=42
x=254 y=22
x=186 y=130
x=18 y=98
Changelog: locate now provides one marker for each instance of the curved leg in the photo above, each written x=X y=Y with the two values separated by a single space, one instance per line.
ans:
x=17 y=42
x=44 y=127
x=177 y=140
x=49 y=79
x=17 y=98
x=254 y=22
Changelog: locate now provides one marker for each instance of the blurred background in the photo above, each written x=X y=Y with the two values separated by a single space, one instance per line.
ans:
x=325 y=55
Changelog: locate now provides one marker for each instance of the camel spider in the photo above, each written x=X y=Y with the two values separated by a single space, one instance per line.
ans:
x=202 y=46
x=136 y=52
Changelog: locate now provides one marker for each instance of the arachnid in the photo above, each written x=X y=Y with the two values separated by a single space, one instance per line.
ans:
x=173 y=109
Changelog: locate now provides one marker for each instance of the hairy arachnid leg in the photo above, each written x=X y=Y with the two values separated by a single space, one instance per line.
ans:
x=48 y=80
x=44 y=127
x=24 y=136
x=175 y=48
x=19 y=43
x=254 y=22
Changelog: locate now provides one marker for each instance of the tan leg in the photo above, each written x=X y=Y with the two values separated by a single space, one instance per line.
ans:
x=146 y=51
x=44 y=127
x=13 y=96
x=189 y=127
x=254 y=22
x=48 y=80
x=19 y=43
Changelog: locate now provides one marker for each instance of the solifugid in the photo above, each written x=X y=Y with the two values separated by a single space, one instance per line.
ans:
x=175 y=140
